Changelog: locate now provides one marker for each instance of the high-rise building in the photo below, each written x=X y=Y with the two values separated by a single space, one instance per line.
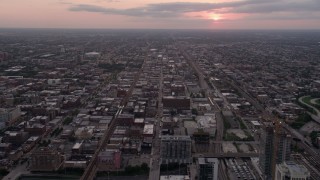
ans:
x=274 y=148
x=290 y=170
x=284 y=147
x=175 y=149
x=266 y=149
x=208 y=168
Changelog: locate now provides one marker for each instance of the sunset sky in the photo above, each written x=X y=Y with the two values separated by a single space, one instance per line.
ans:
x=161 y=14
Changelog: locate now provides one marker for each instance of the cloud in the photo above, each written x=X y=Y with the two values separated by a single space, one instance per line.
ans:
x=286 y=16
x=281 y=6
x=178 y=9
x=64 y=2
x=173 y=9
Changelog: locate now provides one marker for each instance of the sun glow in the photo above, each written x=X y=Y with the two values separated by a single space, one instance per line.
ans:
x=215 y=17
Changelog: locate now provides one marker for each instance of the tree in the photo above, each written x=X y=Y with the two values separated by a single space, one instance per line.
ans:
x=144 y=167
x=194 y=111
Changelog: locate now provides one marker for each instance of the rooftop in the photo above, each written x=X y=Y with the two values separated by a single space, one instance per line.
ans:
x=174 y=177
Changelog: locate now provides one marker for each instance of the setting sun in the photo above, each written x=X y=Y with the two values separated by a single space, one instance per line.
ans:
x=215 y=17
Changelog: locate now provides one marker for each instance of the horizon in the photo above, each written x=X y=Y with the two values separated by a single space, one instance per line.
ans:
x=155 y=29
x=165 y=14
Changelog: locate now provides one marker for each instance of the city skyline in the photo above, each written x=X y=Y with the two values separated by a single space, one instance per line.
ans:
x=166 y=14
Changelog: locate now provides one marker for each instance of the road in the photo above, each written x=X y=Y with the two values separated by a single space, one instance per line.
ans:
x=315 y=109
x=203 y=84
x=245 y=142
x=195 y=67
x=17 y=172
x=91 y=169
x=154 y=173
x=314 y=117
x=226 y=155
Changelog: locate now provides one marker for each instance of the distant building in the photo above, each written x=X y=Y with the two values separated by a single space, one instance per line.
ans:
x=318 y=141
x=92 y=55
x=201 y=137
x=16 y=138
x=15 y=155
x=5 y=147
x=9 y=116
x=176 y=102
x=54 y=81
x=30 y=143
x=255 y=125
x=229 y=116
x=4 y=56
x=175 y=177
x=139 y=122
x=75 y=164
x=208 y=168
x=35 y=129
x=66 y=133
x=45 y=159
x=148 y=130
x=84 y=132
x=125 y=119
x=175 y=149
x=77 y=148
x=109 y=160
x=291 y=171
x=207 y=123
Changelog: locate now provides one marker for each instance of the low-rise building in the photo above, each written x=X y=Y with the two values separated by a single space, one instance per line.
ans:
x=45 y=159
x=175 y=149
x=291 y=170
x=175 y=177
x=9 y=116
x=148 y=130
x=173 y=102
x=207 y=123
x=109 y=160
x=84 y=132
x=208 y=168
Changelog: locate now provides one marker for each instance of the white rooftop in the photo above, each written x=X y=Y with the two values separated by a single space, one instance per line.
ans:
x=148 y=129
x=256 y=123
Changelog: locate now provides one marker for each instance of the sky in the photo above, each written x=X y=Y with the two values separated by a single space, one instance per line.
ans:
x=161 y=14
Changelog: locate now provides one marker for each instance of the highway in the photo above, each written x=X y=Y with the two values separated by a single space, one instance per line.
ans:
x=315 y=109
